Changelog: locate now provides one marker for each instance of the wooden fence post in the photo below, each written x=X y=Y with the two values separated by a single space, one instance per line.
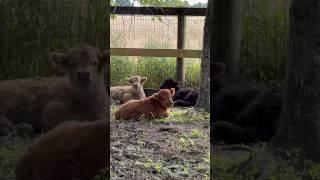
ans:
x=180 y=45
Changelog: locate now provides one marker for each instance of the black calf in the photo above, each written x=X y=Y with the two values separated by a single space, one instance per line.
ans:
x=246 y=114
x=243 y=111
x=184 y=96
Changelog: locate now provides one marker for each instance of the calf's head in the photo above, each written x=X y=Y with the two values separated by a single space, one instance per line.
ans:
x=136 y=82
x=84 y=66
x=164 y=96
x=170 y=83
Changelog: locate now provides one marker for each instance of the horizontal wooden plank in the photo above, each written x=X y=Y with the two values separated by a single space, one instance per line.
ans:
x=182 y=53
x=170 y=11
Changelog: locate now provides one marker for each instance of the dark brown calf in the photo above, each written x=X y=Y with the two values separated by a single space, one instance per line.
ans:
x=71 y=150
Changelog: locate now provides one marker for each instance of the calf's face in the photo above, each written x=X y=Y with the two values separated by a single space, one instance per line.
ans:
x=84 y=66
x=137 y=82
x=164 y=96
x=170 y=83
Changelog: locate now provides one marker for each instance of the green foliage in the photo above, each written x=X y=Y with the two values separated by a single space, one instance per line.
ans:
x=152 y=3
x=149 y=164
x=164 y=3
x=264 y=31
x=200 y=5
x=121 y=3
x=186 y=116
x=187 y=140
x=10 y=151
x=264 y=38
x=30 y=30
x=222 y=168
x=314 y=171
x=292 y=165
x=196 y=133
x=155 y=68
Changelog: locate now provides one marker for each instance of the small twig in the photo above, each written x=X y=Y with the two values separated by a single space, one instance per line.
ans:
x=153 y=115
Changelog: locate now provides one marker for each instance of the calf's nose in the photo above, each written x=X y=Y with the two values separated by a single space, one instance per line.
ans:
x=171 y=103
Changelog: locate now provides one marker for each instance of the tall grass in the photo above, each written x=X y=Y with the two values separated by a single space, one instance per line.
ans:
x=155 y=68
x=264 y=31
x=31 y=29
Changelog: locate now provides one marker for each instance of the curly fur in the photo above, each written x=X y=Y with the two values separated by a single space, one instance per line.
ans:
x=71 y=150
x=133 y=92
x=155 y=106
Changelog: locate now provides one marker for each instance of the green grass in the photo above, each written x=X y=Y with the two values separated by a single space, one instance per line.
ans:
x=156 y=69
x=186 y=115
x=11 y=150
x=30 y=30
x=179 y=115
x=157 y=166
x=293 y=168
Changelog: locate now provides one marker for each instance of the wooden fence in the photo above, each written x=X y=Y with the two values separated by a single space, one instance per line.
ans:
x=180 y=52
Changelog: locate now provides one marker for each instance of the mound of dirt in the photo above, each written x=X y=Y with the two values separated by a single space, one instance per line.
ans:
x=150 y=150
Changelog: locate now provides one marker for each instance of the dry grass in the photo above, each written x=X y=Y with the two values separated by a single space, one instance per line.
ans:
x=136 y=31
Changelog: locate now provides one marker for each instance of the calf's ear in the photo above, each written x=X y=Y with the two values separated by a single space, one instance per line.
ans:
x=172 y=91
x=156 y=96
x=59 y=61
x=143 y=80
x=129 y=80
x=103 y=58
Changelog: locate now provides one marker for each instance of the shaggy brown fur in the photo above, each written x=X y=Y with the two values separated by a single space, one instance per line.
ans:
x=155 y=106
x=87 y=100
x=133 y=92
x=23 y=100
x=71 y=150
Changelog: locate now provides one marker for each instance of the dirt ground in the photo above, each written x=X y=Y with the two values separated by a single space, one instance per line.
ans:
x=173 y=148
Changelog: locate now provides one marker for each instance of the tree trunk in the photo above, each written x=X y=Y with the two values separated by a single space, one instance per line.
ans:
x=299 y=124
x=226 y=34
x=105 y=35
x=204 y=95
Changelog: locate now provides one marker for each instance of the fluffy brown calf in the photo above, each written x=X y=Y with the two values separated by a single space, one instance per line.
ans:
x=79 y=96
x=87 y=100
x=155 y=106
x=22 y=100
x=133 y=92
x=71 y=150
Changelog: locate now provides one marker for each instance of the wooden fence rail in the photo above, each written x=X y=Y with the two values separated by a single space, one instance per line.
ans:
x=179 y=53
